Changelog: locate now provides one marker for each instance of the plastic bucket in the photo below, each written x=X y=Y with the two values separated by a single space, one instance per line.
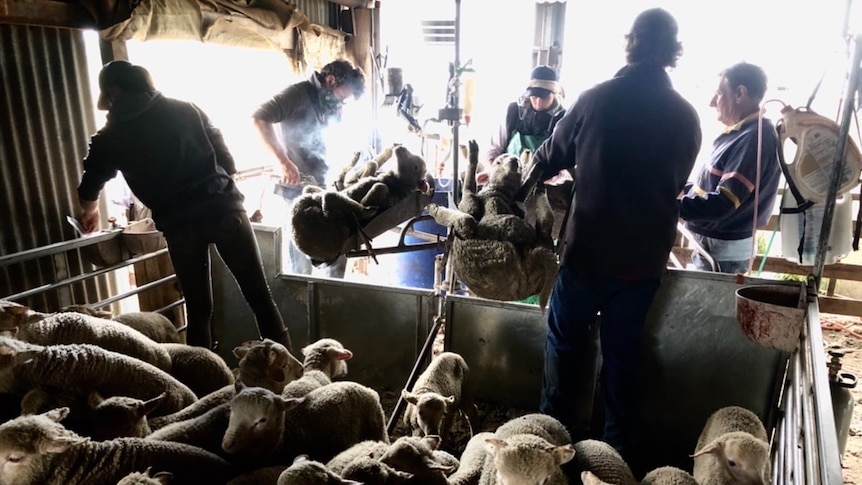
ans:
x=415 y=269
x=770 y=315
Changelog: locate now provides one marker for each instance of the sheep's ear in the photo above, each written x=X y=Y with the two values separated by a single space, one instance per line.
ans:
x=563 y=454
x=340 y=354
x=151 y=405
x=14 y=308
x=492 y=445
x=57 y=414
x=714 y=447
x=242 y=349
x=163 y=477
x=397 y=477
x=590 y=478
x=290 y=402
x=450 y=400
x=238 y=386
x=433 y=465
x=409 y=396
x=432 y=440
x=94 y=399
x=300 y=459
x=59 y=444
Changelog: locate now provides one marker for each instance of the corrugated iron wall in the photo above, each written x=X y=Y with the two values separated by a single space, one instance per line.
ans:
x=47 y=119
x=317 y=11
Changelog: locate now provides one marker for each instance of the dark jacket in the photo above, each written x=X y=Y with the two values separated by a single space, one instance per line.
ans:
x=721 y=204
x=633 y=141
x=171 y=156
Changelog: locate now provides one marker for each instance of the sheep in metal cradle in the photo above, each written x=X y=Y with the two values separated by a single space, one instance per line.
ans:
x=328 y=223
x=497 y=253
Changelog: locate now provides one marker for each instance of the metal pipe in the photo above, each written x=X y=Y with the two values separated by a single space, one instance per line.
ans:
x=136 y=290
x=838 y=166
x=59 y=247
x=455 y=195
x=393 y=250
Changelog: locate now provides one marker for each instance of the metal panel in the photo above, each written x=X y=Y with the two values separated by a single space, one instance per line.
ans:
x=317 y=11
x=48 y=117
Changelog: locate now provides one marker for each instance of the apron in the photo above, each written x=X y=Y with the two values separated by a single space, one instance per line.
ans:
x=520 y=142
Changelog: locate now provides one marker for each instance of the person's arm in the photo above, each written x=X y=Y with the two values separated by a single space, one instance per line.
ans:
x=88 y=214
x=289 y=171
x=554 y=154
x=96 y=173
x=223 y=156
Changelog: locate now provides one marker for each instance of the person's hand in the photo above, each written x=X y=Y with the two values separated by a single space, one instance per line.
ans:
x=289 y=172
x=89 y=219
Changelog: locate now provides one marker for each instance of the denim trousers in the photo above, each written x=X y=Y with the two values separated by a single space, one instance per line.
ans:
x=577 y=299
x=232 y=235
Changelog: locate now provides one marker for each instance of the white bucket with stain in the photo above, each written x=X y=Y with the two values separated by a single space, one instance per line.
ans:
x=772 y=315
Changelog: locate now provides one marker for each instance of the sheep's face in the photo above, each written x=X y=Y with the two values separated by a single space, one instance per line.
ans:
x=267 y=364
x=28 y=441
x=368 y=470
x=412 y=171
x=745 y=459
x=327 y=355
x=120 y=416
x=304 y=470
x=527 y=459
x=430 y=410
x=505 y=171
x=414 y=454
x=256 y=423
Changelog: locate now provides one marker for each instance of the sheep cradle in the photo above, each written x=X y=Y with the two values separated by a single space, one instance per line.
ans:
x=497 y=253
x=327 y=223
x=732 y=448
x=38 y=450
x=82 y=368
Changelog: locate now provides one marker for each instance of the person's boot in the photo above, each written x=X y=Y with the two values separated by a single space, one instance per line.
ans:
x=284 y=339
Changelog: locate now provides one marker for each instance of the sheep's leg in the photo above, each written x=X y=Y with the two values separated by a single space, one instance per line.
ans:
x=334 y=204
x=470 y=187
x=376 y=195
x=464 y=224
x=544 y=218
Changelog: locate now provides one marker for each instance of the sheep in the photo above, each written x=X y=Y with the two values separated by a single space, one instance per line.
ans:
x=78 y=328
x=268 y=474
x=368 y=448
x=602 y=460
x=121 y=416
x=152 y=324
x=147 y=478
x=668 y=475
x=527 y=450
x=472 y=460
x=200 y=368
x=324 y=360
x=368 y=471
x=438 y=394
x=83 y=368
x=204 y=431
x=37 y=449
x=320 y=424
x=732 y=448
x=262 y=363
x=305 y=471
x=590 y=478
x=497 y=252
x=416 y=455
x=325 y=223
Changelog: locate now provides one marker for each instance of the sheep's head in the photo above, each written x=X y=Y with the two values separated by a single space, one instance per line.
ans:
x=504 y=174
x=147 y=478
x=266 y=363
x=526 y=459
x=85 y=310
x=744 y=457
x=121 y=416
x=412 y=172
x=14 y=352
x=415 y=455
x=256 y=421
x=368 y=470
x=328 y=356
x=430 y=409
x=26 y=442
x=305 y=470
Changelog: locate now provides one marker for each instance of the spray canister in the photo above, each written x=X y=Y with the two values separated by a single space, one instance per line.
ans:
x=840 y=384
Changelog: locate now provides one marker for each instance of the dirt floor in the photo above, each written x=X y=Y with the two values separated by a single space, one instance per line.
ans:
x=846 y=333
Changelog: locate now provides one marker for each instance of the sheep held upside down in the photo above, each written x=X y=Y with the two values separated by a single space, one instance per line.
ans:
x=325 y=221
x=497 y=253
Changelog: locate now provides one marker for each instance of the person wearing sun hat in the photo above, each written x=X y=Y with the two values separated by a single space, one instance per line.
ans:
x=531 y=119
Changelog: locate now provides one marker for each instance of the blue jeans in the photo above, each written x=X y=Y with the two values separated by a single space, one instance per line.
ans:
x=233 y=237
x=733 y=267
x=576 y=300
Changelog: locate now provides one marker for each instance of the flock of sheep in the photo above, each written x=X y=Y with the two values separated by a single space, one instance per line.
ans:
x=121 y=401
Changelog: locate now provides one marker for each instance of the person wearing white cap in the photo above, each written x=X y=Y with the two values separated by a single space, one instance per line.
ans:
x=530 y=120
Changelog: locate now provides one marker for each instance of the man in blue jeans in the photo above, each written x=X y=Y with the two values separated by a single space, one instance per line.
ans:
x=719 y=209
x=633 y=141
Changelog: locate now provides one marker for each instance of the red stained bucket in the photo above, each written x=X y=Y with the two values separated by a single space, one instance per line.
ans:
x=771 y=315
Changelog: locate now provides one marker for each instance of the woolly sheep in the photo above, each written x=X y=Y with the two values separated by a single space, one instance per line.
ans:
x=603 y=460
x=590 y=478
x=416 y=455
x=262 y=363
x=732 y=448
x=438 y=394
x=472 y=460
x=38 y=450
x=324 y=360
x=320 y=424
x=78 y=328
x=200 y=368
x=368 y=471
x=147 y=478
x=121 y=416
x=528 y=450
x=84 y=368
x=668 y=475
x=204 y=431
x=268 y=474
x=154 y=325
x=305 y=471
x=370 y=448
